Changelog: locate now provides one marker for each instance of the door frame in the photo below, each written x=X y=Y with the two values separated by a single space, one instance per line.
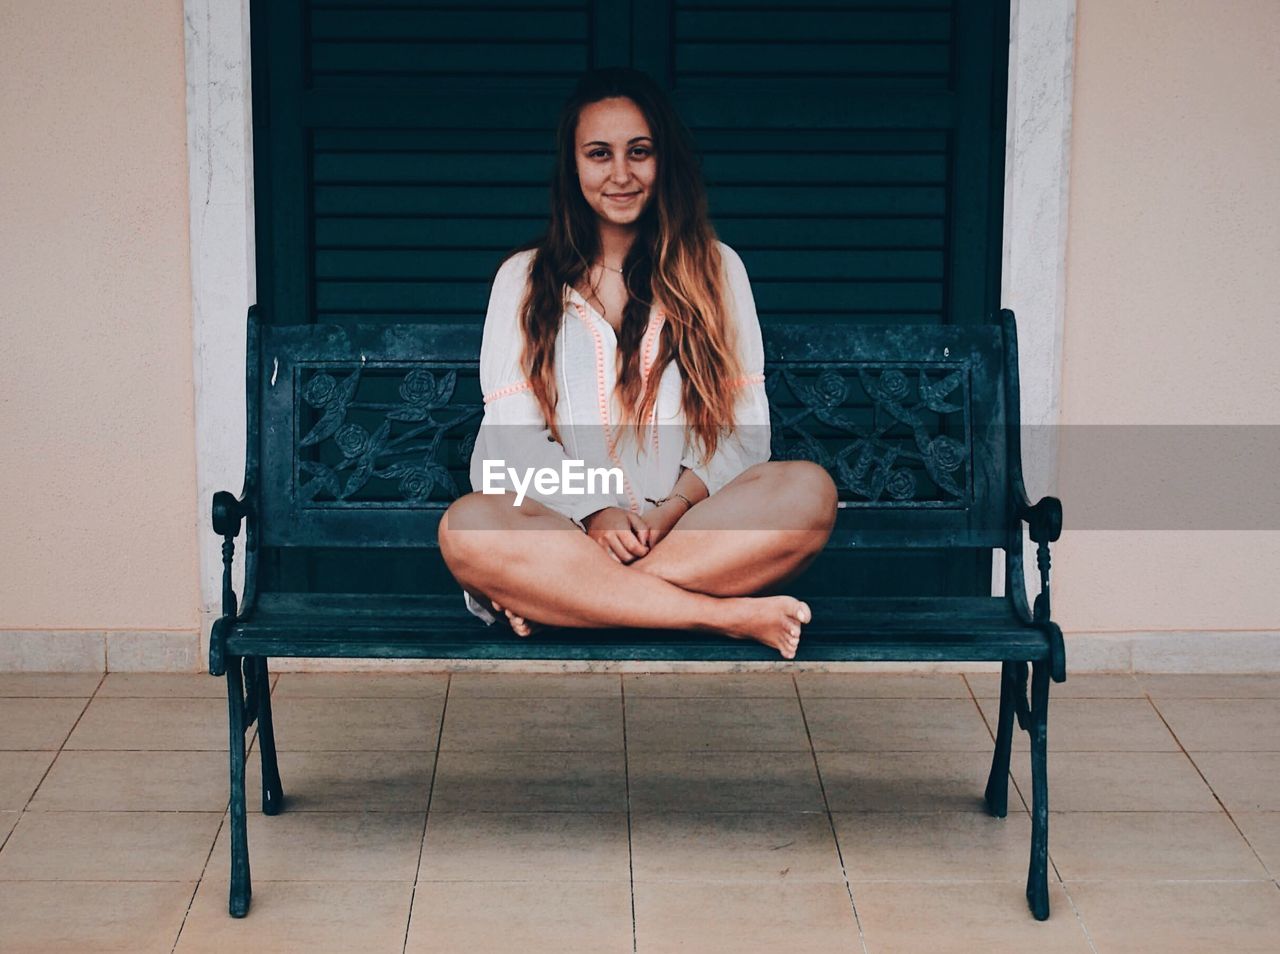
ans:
x=223 y=274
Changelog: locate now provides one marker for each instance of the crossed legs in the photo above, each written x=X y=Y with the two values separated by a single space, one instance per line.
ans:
x=725 y=547
x=706 y=574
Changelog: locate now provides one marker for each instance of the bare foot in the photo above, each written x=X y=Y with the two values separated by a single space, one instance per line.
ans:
x=522 y=626
x=772 y=620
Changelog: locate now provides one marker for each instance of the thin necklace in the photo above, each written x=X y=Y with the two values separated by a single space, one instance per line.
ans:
x=595 y=290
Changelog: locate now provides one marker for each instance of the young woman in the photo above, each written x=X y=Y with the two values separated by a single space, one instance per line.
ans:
x=626 y=337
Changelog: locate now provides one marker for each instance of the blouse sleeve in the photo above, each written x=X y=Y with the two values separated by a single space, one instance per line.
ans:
x=749 y=444
x=513 y=428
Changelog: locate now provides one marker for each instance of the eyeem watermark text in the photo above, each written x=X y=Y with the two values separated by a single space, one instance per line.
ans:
x=573 y=477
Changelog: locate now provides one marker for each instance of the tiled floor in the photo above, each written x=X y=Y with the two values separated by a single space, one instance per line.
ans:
x=601 y=813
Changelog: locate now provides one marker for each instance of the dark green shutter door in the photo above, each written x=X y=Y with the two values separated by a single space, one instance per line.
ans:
x=853 y=152
x=848 y=148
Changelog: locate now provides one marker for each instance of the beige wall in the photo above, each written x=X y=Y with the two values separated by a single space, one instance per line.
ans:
x=1173 y=279
x=95 y=319
x=1172 y=285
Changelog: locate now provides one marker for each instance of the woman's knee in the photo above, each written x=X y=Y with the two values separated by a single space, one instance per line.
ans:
x=808 y=491
x=470 y=512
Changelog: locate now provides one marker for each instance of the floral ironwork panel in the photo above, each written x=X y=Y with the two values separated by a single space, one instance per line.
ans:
x=387 y=435
x=391 y=434
x=895 y=435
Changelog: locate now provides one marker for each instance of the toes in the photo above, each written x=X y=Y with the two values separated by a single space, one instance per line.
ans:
x=519 y=624
x=791 y=643
x=803 y=614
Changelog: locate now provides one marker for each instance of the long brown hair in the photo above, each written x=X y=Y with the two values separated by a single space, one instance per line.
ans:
x=675 y=259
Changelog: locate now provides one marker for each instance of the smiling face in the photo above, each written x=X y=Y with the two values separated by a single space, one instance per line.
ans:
x=616 y=162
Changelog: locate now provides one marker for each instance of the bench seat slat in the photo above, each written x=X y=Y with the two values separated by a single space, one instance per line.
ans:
x=1029 y=645
x=414 y=626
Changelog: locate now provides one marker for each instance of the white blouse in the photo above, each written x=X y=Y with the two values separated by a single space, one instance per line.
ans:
x=588 y=411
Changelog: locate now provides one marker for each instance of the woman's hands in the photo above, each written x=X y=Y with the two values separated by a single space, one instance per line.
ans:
x=662 y=518
x=627 y=536
x=623 y=534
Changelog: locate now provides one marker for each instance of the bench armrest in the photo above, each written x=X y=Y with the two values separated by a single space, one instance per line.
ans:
x=229 y=512
x=1045 y=521
x=1044 y=518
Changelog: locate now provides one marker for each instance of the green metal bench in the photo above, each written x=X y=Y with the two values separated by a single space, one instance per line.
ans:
x=359 y=437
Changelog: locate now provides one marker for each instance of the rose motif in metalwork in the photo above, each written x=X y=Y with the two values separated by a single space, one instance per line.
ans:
x=901 y=485
x=352 y=439
x=807 y=448
x=467 y=445
x=320 y=389
x=416 y=485
x=830 y=389
x=946 y=453
x=418 y=386
x=894 y=385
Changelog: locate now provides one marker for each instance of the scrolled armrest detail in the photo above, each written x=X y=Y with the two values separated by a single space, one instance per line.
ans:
x=1043 y=518
x=1044 y=521
x=228 y=512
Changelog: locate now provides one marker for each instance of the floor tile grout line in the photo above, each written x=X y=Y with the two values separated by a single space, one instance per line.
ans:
x=53 y=761
x=426 y=820
x=658 y=881
x=831 y=824
x=1079 y=917
x=927 y=882
x=626 y=778
x=1265 y=879
x=574 y=811
x=199 y=881
x=1223 y=805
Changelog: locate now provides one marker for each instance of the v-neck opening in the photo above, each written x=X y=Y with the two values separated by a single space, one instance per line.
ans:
x=603 y=320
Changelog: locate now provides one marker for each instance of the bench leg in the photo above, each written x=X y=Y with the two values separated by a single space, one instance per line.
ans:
x=997 y=793
x=1038 y=872
x=272 y=793
x=241 y=888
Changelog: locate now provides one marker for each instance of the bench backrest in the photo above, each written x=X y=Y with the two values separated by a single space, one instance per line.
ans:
x=360 y=435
